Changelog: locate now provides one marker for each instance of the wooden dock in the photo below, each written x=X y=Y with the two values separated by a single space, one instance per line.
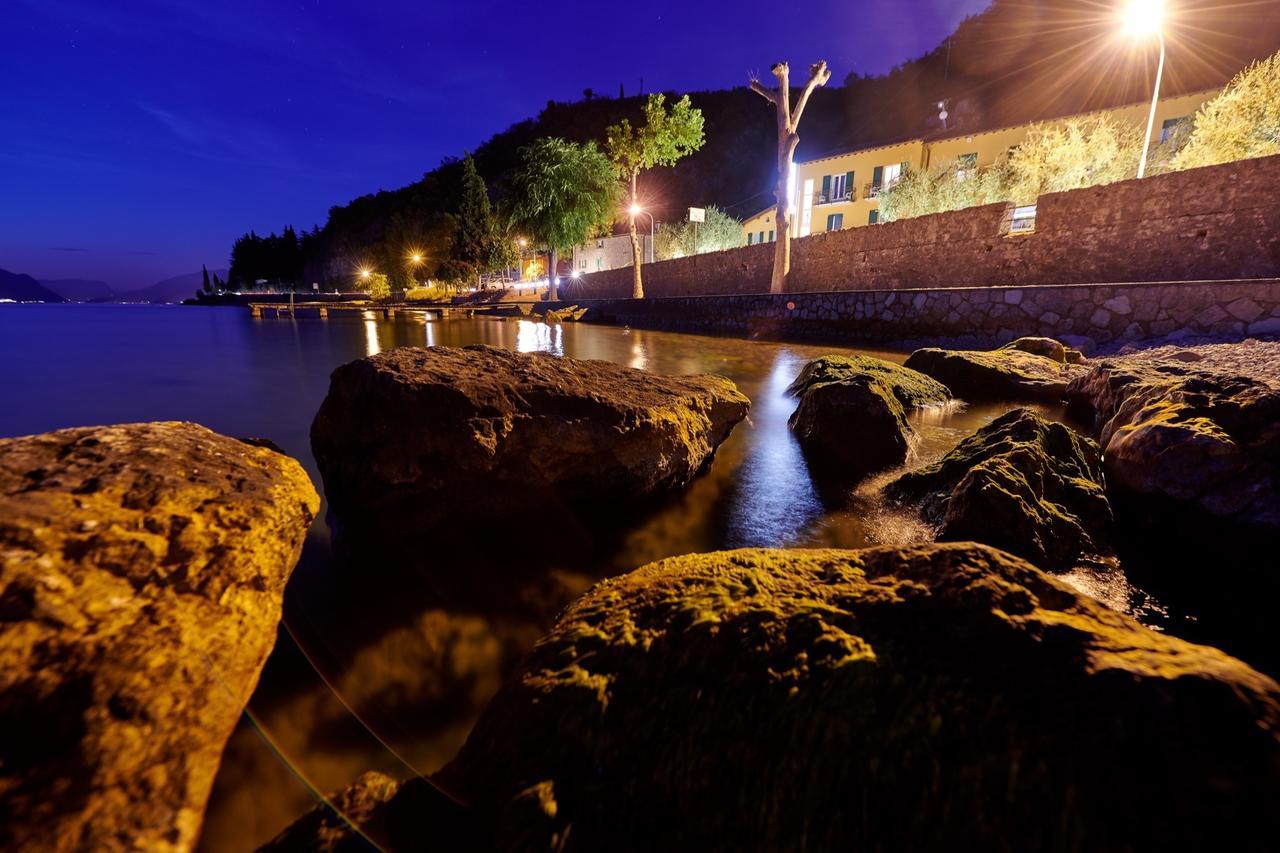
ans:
x=390 y=312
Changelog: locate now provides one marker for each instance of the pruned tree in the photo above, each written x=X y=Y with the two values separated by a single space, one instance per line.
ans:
x=665 y=137
x=788 y=138
x=476 y=244
x=564 y=193
x=720 y=231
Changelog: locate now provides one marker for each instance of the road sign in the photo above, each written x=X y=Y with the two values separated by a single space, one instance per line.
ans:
x=697 y=214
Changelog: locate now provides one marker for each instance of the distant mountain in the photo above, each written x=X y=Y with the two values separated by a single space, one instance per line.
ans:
x=173 y=289
x=81 y=289
x=24 y=288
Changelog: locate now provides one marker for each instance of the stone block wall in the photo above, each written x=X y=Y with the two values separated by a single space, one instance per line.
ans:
x=1220 y=222
x=1085 y=315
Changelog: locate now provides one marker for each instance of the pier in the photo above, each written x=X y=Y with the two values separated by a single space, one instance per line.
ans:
x=390 y=311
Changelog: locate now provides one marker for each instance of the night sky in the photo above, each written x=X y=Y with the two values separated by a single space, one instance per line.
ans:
x=139 y=137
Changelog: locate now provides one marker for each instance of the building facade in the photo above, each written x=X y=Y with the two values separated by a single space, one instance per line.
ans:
x=608 y=253
x=840 y=191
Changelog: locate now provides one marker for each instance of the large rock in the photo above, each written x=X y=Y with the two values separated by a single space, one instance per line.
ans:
x=1188 y=437
x=141 y=575
x=1026 y=369
x=852 y=419
x=1030 y=486
x=413 y=438
x=888 y=699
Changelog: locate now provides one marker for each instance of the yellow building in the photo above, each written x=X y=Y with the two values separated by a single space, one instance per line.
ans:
x=839 y=191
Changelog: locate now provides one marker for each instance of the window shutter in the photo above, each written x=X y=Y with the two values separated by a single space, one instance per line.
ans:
x=826 y=188
x=877 y=176
x=848 y=185
x=770 y=236
x=750 y=238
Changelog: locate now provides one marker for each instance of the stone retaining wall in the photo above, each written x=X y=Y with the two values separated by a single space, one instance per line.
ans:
x=1221 y=222
x=1085 y=315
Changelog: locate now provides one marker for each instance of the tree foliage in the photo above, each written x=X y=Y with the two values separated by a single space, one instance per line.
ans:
x=378 y=285
x=665 y=137
x=480 y=244
x=1242 y=122
x=564 y=192
x=1054 y=157
x=680 y=239
x=276 y=259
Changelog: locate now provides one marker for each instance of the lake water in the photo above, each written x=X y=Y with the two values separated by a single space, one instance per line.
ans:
x=379 y=668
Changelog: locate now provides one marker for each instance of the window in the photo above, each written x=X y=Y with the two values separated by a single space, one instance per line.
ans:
x=760 y=237
x=1024 y=220
x=806 y=209
x=751 y=238
x=1172 y=128
x=770 y=236
x=873 y=217
x=835 y=222
x=966 y=166
x=836 y=188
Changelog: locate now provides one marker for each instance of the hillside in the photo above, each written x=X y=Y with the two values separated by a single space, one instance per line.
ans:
x=173 y=289
x=1020 y=60
x=23 y=288
x=81 y=289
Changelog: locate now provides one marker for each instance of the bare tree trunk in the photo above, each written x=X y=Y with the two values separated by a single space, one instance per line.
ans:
x=788 y=137
x=637 y=283
x=552 y=294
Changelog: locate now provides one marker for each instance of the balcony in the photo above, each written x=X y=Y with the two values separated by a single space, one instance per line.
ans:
x=820 y=197
x=873 y=190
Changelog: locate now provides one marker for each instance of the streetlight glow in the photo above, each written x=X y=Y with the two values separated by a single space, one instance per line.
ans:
x=417 y=259
x=636 y=210
x=365 y=273
x=1144 y=17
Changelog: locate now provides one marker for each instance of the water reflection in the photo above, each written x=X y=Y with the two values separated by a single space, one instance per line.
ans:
x=775 y=500
x=371 y=345
x=536 y=336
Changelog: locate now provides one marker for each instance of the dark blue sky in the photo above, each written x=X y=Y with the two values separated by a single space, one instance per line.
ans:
x=139 y=137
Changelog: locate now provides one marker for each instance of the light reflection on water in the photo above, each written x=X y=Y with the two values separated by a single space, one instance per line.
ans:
x=415 y=654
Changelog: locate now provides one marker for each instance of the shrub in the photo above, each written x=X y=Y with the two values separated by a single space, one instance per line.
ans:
x=1242 y=122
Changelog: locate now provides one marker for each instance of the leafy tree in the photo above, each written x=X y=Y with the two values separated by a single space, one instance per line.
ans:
x=478 y=243
x=378 y=285
x=1242 y=122
x=1084 y=152
x=942 y=188
x=204 y=274
x=665 y=137
x=680 y=239
x=563 y=193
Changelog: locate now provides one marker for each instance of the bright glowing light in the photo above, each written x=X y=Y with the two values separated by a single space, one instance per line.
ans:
x=576 y=274
x=636 y=210
x=416 y=258
x=365 y=273
x=523 y=242
x=1144 y=17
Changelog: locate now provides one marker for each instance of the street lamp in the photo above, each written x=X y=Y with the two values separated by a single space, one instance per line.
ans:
x=637 y=210
x=1145 y=18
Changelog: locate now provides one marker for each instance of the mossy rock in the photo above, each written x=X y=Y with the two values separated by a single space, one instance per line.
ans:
x=1045 y=347
x=852 y=419
x=1009 y=373
x=1022 y=483
x=924 y=698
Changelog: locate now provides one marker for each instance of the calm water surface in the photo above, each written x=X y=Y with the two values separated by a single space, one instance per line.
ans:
x=384 y=667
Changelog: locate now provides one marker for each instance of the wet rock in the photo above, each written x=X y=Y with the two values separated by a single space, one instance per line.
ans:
x=1024 y=484
x=568 y=314
x=141 y=574
x=1005 y=374
x=1046 y=347
x=893 y=699
x=852 y=417
x=1198 y=440
x=351 y=819
x=414 y=439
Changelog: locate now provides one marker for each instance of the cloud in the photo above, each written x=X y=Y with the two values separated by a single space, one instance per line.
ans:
x=66 y=249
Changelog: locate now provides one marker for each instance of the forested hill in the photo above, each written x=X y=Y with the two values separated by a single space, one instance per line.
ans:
x=1019 y=60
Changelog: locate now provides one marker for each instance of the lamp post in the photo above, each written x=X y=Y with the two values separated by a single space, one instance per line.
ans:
x=637 y=210
x=415 y=261
x=1145 y=17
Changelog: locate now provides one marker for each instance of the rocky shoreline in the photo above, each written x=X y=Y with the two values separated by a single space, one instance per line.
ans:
x=889 y=697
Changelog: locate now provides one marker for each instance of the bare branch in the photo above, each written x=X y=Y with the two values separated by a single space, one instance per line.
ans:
x=768 y=94
x=819 y=74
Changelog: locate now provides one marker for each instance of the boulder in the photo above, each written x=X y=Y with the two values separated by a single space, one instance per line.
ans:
x=141 y=574
x=331 y=827
x=1030 y=486
x=1008 y=373
x=412 y=440
x=852 y=419
x=885 y=699
x=1191 y=438
x=1045 y=347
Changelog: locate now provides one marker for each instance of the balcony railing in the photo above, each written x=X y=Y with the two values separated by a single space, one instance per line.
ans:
x=872 y=190
x=820 y=197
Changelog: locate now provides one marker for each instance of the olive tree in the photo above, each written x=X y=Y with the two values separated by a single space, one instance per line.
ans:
x=665 y=137
x=1243 y=121
x=680 y=239
x=563 y=193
